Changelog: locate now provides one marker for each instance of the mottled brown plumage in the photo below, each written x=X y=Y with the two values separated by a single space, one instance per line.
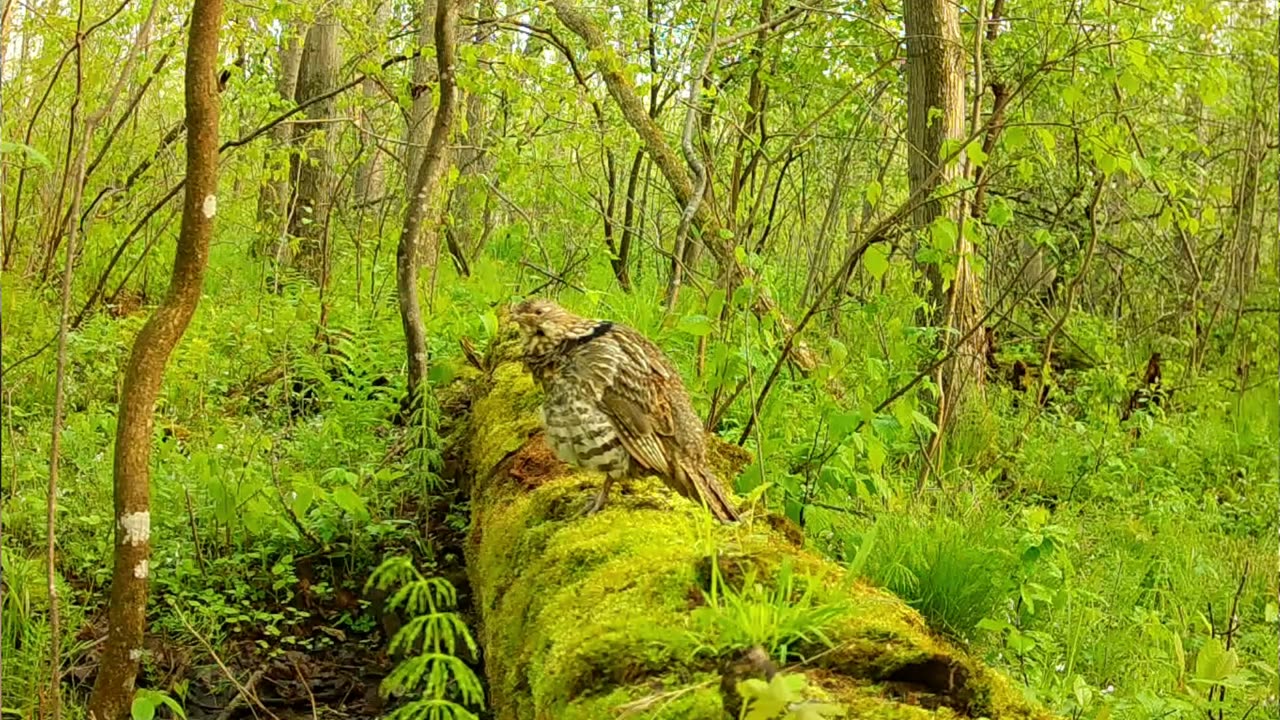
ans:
x=614 y=403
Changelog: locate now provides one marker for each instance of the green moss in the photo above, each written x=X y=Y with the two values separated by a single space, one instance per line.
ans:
x=582 y=616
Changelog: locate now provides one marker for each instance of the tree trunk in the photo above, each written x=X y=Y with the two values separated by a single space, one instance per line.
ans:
x=470 y=199
x=370 y=176
x=424 y=73
x=935 y=114
x=273 y=198
x=317 y=75
x=113 y=690
x=583 y=599
x=423 y=203
x=622 y=263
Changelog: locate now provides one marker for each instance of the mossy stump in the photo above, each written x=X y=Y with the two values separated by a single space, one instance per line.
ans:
x=591 y=617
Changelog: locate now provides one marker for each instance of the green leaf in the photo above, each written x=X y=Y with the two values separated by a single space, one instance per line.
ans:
x=143 y=708
x=839 y=352
x=34 y=155
x=1072 y=96
x=923 y=421
x=1015 y=138
x=765 y=701
x=875 y=453
x=715 y=302
x=975 y=154
x=815 y=711
x=173 y=705
x=842 y=424
x=1048 y=141
x=350 y=502
x=1215 y=663
x=1083 y=693
x=696 y=325
x=873 y=192
x=876 y=261
x=943 y=234
x=1130 y=82
x=999 y=213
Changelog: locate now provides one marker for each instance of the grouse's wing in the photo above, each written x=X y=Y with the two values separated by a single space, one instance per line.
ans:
x=632 y=393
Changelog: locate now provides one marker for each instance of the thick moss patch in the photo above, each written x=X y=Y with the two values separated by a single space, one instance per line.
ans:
x=593 y=617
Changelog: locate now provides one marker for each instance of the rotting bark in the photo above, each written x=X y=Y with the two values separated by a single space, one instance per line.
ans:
x=423 y=202
x=144 y=375
x=579 y=616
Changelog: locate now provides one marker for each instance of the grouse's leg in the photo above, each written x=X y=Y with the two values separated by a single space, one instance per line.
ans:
x=598 y=504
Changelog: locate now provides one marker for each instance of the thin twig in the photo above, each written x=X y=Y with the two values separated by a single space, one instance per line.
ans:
x=195 y=532
x=288 y=509
x=245 y=691
x=306 y=686
x=695 y=164
x=60 y=381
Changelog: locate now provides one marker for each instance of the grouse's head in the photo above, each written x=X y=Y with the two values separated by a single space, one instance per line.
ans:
x=544 y=325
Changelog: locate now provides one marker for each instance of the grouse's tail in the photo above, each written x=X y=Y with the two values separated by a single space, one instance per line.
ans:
x=709 y=491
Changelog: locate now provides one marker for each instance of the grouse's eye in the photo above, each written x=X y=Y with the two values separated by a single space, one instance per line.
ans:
x=539 y=332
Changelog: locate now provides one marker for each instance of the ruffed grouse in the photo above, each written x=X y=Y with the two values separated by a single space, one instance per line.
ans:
x=614 y=403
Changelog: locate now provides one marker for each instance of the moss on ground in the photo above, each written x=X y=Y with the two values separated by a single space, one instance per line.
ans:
x=592 y=617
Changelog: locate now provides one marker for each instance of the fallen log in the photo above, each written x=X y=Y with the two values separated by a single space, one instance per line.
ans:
x=614 y=615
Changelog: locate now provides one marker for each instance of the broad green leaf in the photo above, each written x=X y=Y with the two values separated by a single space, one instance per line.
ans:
x=1072 y=96
x=875 y=453
x=875 y=261
x=873 y=192
x=350 y=501
x=1129 y=82
x=143 y=708
x=842 y=424
x=1048 y=142
x=715 y=302
x=1015 y=138
x=943 y=234
x=1215 y=663
x=975 y=154
x=924 y=421
x=1082 y=692
x=696 y=325
x=999 y=213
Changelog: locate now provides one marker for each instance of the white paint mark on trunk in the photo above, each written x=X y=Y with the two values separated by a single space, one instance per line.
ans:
x=140 y=570
x=210 y=207
x=137 y=527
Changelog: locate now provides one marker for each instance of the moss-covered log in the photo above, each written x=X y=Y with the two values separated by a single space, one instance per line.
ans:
x=597 y=617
